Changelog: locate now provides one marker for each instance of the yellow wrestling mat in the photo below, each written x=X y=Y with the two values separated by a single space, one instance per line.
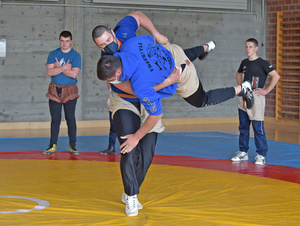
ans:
x=46 y=192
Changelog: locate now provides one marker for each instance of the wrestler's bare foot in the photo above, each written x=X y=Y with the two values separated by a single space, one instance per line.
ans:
x=205 y=47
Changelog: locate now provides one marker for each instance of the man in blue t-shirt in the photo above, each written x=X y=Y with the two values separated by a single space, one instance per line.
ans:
x=110 y=41
x=127 y=113
x=63 y=66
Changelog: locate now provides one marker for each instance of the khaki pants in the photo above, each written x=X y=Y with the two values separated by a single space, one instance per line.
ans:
x=189 y=81
x=257 y=112
x=118 y=103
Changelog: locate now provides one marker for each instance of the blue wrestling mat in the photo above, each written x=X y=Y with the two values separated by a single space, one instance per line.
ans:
x=213 y=145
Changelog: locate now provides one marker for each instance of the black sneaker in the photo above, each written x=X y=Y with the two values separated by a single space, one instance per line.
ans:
x=247 y=94
x=211 y=46
x=109 y=151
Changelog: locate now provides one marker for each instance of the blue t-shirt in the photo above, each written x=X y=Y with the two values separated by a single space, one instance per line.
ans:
x=146 y=64
x=126 y=28
x=73 y=57
x=124 y=31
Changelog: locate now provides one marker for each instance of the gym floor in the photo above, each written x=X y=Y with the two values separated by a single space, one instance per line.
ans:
x=191 y=181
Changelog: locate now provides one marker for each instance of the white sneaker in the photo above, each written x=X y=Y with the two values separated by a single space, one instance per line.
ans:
x=124 y=197
x=211 y=46
x=260 y=160
x=131 y=208
x=240 y=156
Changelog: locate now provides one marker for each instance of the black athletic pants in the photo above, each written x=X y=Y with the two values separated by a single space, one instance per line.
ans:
x=55 y=112
x=135 y=164
x=201 y=98
x=194 y=53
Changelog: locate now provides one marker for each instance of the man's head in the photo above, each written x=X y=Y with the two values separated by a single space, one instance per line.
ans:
x=105 y=39
x=251 y=47
x=65 y=40
x=109 y=68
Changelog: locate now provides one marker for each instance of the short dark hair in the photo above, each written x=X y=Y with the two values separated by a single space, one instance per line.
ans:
x=253 y=40
x=99 y=30
x=107 y=66
x=65 y=34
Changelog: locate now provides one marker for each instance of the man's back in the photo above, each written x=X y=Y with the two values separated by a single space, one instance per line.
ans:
x=144 y=61
x=146 y=64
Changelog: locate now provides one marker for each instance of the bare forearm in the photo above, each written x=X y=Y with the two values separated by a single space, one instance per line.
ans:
x=54 y=71
x=144 y=22
x=132 y=140
x=147 y=126
x=239 y=78
x=174 y=77
x=72 y=73
x=273 y=82
x=162 y=85
x=147 y=24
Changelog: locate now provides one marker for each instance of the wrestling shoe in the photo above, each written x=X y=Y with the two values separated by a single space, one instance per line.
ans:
x=260 y=160
x=51 y=150
x=247 y=94
x=240 y=156
x=211 y=46
x=131 y=208
x=109 y=151
x=74 y=151
x=124 y=197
